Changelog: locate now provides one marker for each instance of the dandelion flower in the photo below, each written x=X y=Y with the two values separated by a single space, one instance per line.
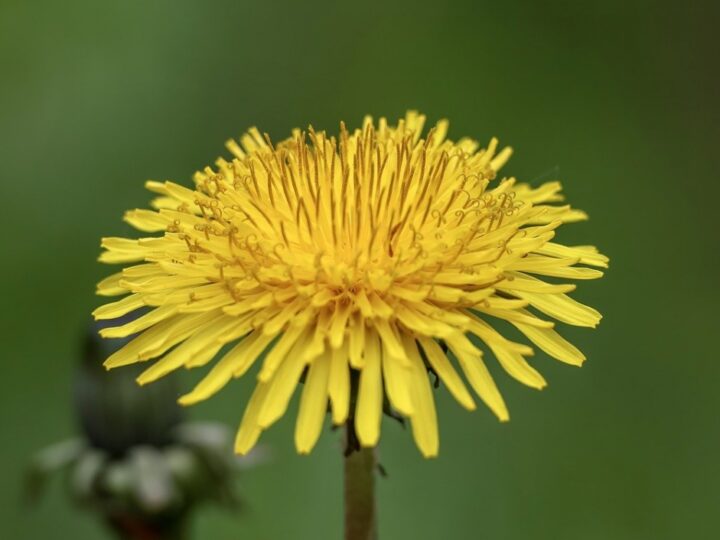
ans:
x=359 y=264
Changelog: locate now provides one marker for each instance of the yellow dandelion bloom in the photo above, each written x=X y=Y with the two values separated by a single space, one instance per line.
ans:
x=363 y=262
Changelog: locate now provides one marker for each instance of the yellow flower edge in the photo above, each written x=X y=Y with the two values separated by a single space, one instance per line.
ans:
x=364 y=261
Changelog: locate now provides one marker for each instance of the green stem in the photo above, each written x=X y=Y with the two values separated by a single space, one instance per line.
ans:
x=360 y=508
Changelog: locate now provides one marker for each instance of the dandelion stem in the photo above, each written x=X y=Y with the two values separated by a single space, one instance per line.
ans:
x=360 y=507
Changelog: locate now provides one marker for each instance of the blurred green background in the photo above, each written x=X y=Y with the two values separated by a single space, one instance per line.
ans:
x=618 y=99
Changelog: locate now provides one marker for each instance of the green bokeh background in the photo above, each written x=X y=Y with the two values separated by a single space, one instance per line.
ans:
x=617 y=99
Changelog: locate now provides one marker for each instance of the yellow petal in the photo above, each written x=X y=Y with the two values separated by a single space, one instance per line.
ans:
x=338 y=324
x=357 y=341
x=278 y=353
x=110 y=286
x=586 y=254
x=370 y=395
x=424 y=419
x=516 y=316
x=121 y=250
x=391 y=342
x=313 y=405
x=183 y=327
x=563 y=308
x=553 y=344
x=149 y=339
x=517 y=281
x=141 y=323
x=547 y=192
x=339 y=384
x=146 y=220
x=236 y=361
x=119 y=308
x=483 y=384
x=441 y=365
x=397 y=381
x=554 y=267
x=507 y=354
x=250 y=430
x=284 y=382
x=202 y=340
x=275 y=324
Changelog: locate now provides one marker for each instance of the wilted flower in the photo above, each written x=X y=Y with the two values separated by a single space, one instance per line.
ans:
x=137 y=464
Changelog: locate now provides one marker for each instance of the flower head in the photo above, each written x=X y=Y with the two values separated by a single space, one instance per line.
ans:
x=364 y=261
